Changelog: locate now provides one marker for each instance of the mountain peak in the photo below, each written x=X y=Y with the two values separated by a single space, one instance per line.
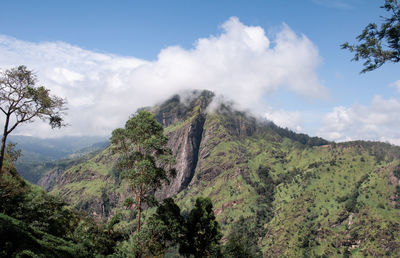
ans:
x=181 y=106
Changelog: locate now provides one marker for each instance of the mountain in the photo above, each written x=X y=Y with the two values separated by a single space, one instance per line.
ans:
x=42 y=155
x=286 y=194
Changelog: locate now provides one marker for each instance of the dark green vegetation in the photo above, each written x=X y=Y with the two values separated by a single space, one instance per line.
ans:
x=169 y=233
x=378 y=45
x=274 y=193
x=35 y=224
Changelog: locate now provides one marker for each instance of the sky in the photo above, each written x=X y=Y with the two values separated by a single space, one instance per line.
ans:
x=279 y=59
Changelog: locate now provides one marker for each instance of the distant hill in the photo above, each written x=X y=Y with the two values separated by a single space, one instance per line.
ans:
x=286 y=194
x=39 y=154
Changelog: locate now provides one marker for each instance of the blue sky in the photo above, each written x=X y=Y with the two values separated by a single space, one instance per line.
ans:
x=340 y=104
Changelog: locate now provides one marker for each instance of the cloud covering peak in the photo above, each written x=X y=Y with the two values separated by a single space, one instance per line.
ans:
x=102 y=89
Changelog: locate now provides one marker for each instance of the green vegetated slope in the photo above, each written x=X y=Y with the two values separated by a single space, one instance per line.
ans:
x=299 y=200
x=285 y=193
x=35 y=224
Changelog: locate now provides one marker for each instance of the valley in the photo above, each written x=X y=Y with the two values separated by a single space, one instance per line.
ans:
x=283 y=193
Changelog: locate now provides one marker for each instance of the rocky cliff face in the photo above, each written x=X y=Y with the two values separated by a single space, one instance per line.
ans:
x=196 y=133
x=184 y=143
x=50 y=179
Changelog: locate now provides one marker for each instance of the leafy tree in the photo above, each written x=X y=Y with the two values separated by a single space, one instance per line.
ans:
x=196 y=234
x=167 y=226
x=145 y=160
x=378 y=45
x=21 y=101
x=202 y=231
x=241 y=246
x=242 y=240
x=163 y=230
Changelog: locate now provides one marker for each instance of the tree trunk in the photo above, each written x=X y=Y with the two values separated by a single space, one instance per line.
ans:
x=3 y=143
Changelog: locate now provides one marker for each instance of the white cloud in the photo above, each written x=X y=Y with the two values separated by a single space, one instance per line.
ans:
x=290 y=119
x=378 y=121
x=104 y=89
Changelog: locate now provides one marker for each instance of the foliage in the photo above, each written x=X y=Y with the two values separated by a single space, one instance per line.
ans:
x=145 y=160
x=12 y=153
x=163 y=230
x=21 y=102
x=378 y=45
x=242 y=241
x=19 y=239
x=271 y=192
x=167 y=225
x=396 y=172
x=202 y=233
x=167 y=229
x=31 y=221
x=239 y=247
x=94 y=236
x=12 y=192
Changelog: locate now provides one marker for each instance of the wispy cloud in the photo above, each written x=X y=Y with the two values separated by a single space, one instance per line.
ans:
x=290 y=119
x=104 y=89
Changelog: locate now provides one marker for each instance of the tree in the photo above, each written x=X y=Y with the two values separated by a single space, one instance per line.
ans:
x=241 y=246
x=163 y=230
x=202 y=231
x=379 y=45
x=168 y=227
x=242 y=240
x=197 y=234
x=145 y=160
x=21 y=101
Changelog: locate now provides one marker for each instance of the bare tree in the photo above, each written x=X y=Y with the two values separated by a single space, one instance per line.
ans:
x=21 y=101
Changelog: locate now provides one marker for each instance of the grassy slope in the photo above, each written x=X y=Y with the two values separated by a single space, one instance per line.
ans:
x=300 y=200
x=326 y=200
x=87 y=183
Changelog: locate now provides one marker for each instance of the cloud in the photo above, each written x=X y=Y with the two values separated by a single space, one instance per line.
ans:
x=290 y=119
x=103 y=89
x=379 y=121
